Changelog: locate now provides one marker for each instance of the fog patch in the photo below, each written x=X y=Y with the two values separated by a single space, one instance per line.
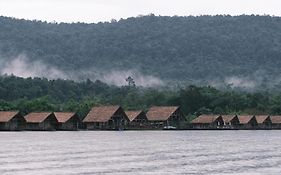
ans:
x=237 y=82
x=21 y=66
x=118 y=78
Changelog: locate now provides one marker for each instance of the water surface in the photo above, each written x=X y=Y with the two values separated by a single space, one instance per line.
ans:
x=140 y=152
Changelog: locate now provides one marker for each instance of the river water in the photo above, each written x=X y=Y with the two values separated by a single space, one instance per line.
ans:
x=141 y=152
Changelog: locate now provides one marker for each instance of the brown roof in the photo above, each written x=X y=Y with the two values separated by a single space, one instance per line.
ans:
x=161 y=113
x=63 y=117
x=261 y=118
x=101 y=114
x=132 y=114
x=37 y=117
x=244 y=119
x=205 y=119
x=6 y=116
x=276 y=119
x=228 y=118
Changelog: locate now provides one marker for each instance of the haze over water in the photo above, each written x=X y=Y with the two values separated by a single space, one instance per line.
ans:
x=140 y=152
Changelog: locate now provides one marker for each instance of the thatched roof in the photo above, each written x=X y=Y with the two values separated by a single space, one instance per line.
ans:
x=276 y=119
x=37 y=117
x=205 y=119
x=161 y=113
x=63 y=117
x=102 y=113
x=261 y=118
x=6 y=116
x=133 y=114
x=245 y=119
x=228 y=118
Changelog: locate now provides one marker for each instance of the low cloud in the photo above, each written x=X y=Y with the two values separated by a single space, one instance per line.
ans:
x=118 y=77
x=238 y=82
x=245 y=83
x=21 y=66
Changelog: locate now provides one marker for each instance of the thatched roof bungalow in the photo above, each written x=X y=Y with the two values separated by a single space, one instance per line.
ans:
x=247 y=121
x=230 y=120
x=106 y=117
x=165 y=116
x=138 y=119
x=264 y=121
x=276 y=121
x=207 y=122
x=67 y=121
x=42 y=121
x=11 y=121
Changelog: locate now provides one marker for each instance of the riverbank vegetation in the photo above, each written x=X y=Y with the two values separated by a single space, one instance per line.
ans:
x=40 y=94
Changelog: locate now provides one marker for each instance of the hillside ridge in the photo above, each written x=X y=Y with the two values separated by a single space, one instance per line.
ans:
x=237 y=50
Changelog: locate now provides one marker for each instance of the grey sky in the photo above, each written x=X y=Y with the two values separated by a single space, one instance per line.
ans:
x=105 y=10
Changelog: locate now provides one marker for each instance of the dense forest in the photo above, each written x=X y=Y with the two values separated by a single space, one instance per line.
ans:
x=40 y=94
x=204 y=50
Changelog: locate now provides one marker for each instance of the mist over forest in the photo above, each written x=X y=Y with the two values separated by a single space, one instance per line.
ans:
x=236 y=51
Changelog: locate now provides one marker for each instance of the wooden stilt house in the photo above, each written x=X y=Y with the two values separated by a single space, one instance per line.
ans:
x=247 y=121
x=264 y=122
x=67 y=121
x=207 y=122
x=165 y=117
x=276 y=122
x=138 y=119
x=41 y=121
x=11 y=121
x=230 y=121
x=107 y=118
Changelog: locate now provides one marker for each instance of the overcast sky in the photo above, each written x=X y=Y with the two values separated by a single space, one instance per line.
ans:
x=104 y=10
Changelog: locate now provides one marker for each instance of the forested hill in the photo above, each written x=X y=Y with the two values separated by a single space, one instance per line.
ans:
x=241 y=50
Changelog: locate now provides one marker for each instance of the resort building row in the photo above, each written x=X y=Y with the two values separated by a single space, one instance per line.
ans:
x=236 y=122
x=115 y=118
x=99 y=118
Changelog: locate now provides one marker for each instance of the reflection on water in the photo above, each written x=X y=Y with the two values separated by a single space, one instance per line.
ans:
x=141 y=152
